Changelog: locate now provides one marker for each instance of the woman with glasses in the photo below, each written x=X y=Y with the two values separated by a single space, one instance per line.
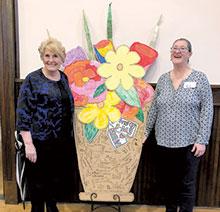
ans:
x=182 y=113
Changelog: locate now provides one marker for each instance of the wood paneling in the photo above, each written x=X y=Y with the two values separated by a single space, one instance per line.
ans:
x=145 y=186
x=208 y=182
x=7 y=75
x=208 y=193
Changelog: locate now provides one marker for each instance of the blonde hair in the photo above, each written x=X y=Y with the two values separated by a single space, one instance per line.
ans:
x=54 y=46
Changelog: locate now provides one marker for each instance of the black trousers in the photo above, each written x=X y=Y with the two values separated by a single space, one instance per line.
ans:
x=177 y=173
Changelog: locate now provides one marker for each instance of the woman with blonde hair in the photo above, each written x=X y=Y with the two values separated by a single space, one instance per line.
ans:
x=44 y=120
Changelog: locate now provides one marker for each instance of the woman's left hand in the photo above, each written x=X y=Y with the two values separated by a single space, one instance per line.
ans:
x=198 y=149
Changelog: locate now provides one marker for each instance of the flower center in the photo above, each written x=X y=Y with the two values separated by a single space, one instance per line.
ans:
x=85 y=79
x=120 y=67
x=100 y=104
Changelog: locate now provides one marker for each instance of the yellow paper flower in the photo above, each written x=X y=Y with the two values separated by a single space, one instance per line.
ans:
x=101 y=112
x=120 y=68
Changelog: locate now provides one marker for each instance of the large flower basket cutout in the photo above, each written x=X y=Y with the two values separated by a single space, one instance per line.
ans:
x=111 y=104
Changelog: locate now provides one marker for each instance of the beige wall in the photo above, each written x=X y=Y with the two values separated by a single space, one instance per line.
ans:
x=197 y=20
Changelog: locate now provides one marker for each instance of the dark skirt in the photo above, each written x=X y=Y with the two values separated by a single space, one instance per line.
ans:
x=51 y=177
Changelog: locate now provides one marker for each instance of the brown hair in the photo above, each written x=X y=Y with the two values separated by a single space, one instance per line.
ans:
x=189 y=45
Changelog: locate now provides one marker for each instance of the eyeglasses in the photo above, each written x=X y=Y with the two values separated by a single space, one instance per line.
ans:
x=181 y=49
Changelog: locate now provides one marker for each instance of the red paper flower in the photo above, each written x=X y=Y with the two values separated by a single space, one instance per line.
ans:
x=145 y=92
x=146 y=53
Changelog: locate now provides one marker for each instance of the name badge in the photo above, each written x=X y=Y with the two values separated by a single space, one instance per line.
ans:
x=189 y=84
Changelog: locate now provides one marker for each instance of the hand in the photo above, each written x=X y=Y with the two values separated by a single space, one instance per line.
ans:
x=30 y=152
x=198 y=149
x=144 y=139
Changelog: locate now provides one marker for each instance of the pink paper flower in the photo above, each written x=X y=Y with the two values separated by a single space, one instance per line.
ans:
x=84 y=81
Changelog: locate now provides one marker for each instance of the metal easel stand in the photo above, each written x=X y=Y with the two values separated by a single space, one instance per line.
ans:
x=94 y=205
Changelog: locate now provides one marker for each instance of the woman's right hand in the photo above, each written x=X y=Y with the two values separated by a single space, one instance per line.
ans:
x=30 y=152
x=145 y=137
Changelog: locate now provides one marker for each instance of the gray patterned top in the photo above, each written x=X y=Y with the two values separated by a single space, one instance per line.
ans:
x=184 y=116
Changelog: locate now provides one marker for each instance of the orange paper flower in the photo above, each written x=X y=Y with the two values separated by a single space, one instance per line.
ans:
x=84 y=81
x=80 y=72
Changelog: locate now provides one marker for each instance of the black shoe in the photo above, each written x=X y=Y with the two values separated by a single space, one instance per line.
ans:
x=37 y=207
x=51 y=207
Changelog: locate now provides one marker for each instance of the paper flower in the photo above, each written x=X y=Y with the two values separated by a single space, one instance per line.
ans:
x=145 y=92
x=88 y=91
x=146 y=53
x=81 y=72
x=107 y=81
x=101 y=49
x=74 y=55
x=84 y=80
x=120 y=68
x=127 y=111
x=102 y=112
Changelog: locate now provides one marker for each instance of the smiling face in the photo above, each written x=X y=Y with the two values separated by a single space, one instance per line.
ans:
x=180 y=52
x=51 y=61
x=52 y=53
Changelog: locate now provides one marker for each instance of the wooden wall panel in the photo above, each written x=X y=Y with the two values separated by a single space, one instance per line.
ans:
x=208 y=193
x=7 y=75
x=208 y=182
x=145 y=186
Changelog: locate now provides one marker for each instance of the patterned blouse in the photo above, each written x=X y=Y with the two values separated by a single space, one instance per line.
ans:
x=184 y=116
x=40 y=106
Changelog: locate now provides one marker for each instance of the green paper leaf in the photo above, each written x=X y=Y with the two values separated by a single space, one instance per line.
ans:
x=109 y=23
x=99 y=90
x=88 y=38
x=129 y=96
x=140 y=115
x=90 y=132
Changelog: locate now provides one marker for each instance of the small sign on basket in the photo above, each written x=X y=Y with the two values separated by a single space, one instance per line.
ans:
x=119 y=131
